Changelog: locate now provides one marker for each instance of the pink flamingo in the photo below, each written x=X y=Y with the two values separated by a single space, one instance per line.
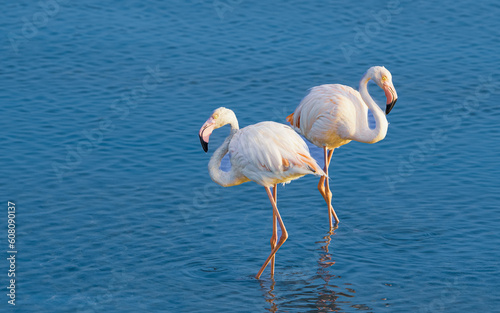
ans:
x=332 y=115
x=267 y=153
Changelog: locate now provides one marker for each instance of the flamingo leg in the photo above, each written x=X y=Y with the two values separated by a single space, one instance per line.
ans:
x=284 y=234
x=274 y=237
x=328 y=192
x=324 y=187
x=321 y=185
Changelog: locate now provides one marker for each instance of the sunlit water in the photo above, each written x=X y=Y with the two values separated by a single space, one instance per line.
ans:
x=117 y=213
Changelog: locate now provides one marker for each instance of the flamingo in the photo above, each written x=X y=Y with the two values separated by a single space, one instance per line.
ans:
x=267 y=153
x=332 y=115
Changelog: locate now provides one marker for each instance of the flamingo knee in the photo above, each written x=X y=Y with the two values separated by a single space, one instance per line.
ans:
x=321 y=187
x=283 y=238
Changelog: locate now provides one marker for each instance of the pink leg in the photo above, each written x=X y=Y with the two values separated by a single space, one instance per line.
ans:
x=321 y=186
x=274 y=237
x=329 y=193
x=284 y=234
x=324 y=188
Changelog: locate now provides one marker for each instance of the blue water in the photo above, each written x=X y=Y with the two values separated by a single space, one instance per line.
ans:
x=115 y=208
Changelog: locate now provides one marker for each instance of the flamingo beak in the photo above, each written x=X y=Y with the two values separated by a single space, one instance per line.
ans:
x=205 y=132
x=392 y=97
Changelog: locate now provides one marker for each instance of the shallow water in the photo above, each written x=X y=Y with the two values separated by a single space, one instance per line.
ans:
x=115 y=208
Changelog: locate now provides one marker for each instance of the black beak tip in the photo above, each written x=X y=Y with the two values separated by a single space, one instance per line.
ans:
x=390 y=106
x=204 y=144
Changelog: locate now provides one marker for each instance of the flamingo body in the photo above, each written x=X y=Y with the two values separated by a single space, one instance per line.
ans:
x=328 y=115
x=270 y=153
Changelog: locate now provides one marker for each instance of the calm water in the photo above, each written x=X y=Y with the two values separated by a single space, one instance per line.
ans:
x=115 y=208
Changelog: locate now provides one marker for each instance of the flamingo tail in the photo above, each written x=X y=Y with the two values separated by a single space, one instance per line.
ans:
x=311 y=164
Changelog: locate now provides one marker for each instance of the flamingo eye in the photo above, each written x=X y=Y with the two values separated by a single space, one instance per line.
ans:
x=215 y=116
x=384 y=78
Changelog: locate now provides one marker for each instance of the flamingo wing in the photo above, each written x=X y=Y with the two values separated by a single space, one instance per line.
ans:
x=324 y=116
x=270 y=153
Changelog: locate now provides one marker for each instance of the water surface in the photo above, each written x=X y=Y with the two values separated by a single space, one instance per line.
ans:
x=117 y=213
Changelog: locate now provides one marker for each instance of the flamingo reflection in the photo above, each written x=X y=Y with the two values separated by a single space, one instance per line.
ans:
x=327 y=297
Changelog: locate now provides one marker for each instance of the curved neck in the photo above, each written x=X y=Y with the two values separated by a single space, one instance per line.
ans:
x=366 y=134
x=222 y=178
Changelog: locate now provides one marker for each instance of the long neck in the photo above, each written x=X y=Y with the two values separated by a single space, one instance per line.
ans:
x=222 y=178
x=365 y=134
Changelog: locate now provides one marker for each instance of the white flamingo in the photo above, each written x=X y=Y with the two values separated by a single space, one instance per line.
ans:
x=267 y=153
x=332 y=115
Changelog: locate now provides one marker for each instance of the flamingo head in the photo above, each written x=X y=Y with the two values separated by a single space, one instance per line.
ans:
x=383 y=78
x=219 y=118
